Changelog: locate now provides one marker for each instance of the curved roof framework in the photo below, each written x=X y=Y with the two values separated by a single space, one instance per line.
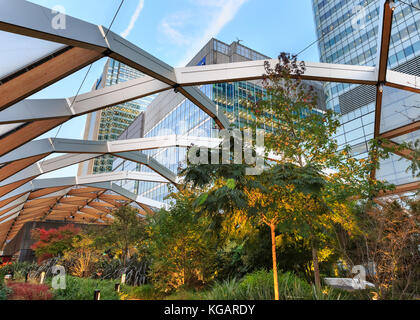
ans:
x=65 y=51
x=80 y=199
x=22 y=164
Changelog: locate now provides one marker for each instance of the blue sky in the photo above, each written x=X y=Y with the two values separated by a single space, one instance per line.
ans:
x=174 y=30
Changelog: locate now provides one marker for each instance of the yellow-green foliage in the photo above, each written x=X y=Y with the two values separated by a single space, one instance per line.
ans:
x=181 y=253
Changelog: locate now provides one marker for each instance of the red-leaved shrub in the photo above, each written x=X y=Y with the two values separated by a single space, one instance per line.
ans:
x=53 y=242
x=29 y=291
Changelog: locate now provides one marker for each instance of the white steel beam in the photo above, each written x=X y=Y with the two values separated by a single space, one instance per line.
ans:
x=253 y=70
x=63 y=161
x=403 y=81
x=123 y=50
x=149 y=162
x=59 y=145
x=32 y=20
x=37 y=109
x=35 y=21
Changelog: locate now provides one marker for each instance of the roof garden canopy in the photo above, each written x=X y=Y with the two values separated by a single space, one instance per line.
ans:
x=57 y=53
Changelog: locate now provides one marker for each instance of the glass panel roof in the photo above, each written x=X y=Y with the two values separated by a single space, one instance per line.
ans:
x=399 y=108
x=357 y=120
x=19 y=51
x=409 y=137
x=394 y=170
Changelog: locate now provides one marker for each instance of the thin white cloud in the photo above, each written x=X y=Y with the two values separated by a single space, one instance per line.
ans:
x=170 y=25
x=227 y=12
x=224 y=12
x=133 y=19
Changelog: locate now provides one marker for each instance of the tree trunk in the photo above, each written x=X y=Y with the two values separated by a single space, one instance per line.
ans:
x=273 y=252
x=125 y=253
x=316 y=267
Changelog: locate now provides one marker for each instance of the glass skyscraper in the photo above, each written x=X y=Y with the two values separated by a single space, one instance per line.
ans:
x=347 y=32
x=171 y=113
x=110 y=123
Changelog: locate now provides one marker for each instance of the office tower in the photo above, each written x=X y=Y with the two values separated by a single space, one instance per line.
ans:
x=171 y=113
x=109 y=123
x=347 y=32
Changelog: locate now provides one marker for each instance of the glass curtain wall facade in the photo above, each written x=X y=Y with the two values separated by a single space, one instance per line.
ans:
x=108 y=124
x=347 y=32
x=170 y=114
x=185 y=118
x=188 y=119
x=115 y=120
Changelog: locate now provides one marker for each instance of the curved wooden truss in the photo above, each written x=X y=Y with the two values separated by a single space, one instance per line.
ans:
x=82 y=199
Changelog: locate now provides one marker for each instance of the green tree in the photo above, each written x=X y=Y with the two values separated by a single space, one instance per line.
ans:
x=181 y=251
x=125 y=234
x=288 y=195
x=303 y=136
x=309 y=190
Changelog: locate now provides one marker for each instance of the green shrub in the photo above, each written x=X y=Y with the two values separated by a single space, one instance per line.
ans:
x=19 y=269
x=4 y=291
x=143 y=292
x=148 y=292
x=292 y=287
x=226 y=290
x=186 y=295
x=83 y=289
x=180 y=247
x=259 y=285
x=229 y=261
